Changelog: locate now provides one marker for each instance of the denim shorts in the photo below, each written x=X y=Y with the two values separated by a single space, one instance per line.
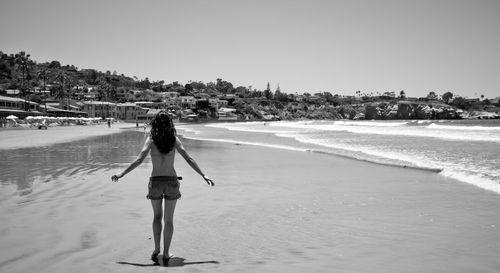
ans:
x=163 y=187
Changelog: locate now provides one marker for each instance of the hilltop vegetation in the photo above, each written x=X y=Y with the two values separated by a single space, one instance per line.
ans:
x=53 y=81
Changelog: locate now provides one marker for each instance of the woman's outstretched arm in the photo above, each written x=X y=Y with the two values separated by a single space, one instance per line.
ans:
x=144 y=152
x=190 y=161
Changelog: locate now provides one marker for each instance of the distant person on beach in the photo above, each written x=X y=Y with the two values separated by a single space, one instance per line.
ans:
x=163 y=183
x=109 y=123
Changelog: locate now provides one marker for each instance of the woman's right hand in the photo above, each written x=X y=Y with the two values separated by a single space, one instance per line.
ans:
x=208 y=180
x=114 y=178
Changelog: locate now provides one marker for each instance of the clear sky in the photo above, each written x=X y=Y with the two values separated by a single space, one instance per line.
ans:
x=305 y=46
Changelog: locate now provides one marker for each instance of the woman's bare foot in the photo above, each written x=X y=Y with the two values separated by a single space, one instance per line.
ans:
x=154 y=255
x=166 y=258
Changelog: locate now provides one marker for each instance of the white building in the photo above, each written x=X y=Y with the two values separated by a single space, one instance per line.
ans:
x=100 y=109
x=129 y=111
x=188 y=101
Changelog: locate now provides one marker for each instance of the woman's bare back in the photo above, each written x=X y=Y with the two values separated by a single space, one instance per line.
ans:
x=163 y=164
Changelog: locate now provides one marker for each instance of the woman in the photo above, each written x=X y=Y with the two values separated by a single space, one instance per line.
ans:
x=163 y=182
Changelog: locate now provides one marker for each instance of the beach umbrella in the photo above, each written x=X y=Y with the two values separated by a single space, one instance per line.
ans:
x=11 y=117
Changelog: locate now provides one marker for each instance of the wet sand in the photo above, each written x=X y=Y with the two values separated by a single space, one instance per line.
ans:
x=271 y=211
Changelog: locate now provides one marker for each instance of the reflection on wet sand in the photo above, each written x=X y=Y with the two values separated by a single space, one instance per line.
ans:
x=23 y=168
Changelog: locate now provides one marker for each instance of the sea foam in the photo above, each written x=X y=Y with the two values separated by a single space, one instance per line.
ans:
x=463 y=128
x=445 y=132
x=473 y=179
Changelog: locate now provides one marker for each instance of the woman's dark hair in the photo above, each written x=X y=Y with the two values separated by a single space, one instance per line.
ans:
x=163 y=132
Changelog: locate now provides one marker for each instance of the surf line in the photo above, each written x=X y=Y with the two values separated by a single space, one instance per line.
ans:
x=435 y=170
x=284 y=147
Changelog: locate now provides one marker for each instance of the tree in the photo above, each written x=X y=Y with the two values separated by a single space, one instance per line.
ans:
x=145 y=84
x=202 y=104
x=242 y=92
x=268 y=94
x=198 y=85
x=104 y=88
x=55 y=64
x=5 y=67
x=447 y=97
x=432 y=96
x=91 y=76
x=223 y=86
x=44 y=76
x=461 y=103
x=278 y=95
x=23 y=63
x=62 y=78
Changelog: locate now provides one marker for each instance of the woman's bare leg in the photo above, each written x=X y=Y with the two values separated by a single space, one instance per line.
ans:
x=169 y=226
x=157 y=217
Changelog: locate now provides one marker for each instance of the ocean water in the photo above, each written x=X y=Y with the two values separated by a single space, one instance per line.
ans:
x=465 y=150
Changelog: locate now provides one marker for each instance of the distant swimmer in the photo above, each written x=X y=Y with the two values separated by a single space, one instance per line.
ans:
x=163 y=183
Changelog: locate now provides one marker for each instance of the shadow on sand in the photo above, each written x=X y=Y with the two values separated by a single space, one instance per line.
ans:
x=174 y=262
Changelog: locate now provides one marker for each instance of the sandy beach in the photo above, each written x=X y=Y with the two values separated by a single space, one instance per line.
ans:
x=272 y=210
x=32 y=137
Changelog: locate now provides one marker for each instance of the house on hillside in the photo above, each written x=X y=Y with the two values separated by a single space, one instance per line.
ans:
x=171 y=99
x=188 y=101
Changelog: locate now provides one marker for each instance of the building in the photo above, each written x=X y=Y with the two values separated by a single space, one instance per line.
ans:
x=214 y=103
x=64 y=108
x=227 y=114
x=129 y=111
x=152 y=104
x=188 y=101
x=58 y=112
x=171 y=99
x=222 y=103
x=97 y=109
x=18 y=107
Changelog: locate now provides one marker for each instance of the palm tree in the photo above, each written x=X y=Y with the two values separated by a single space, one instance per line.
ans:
x=44 y=75
x=62 y=78
x=23 y=63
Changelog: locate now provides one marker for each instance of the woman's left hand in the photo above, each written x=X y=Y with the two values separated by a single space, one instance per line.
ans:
x=114 y=178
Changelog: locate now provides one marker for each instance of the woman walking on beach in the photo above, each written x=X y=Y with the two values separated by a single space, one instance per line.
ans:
x=163 y=183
